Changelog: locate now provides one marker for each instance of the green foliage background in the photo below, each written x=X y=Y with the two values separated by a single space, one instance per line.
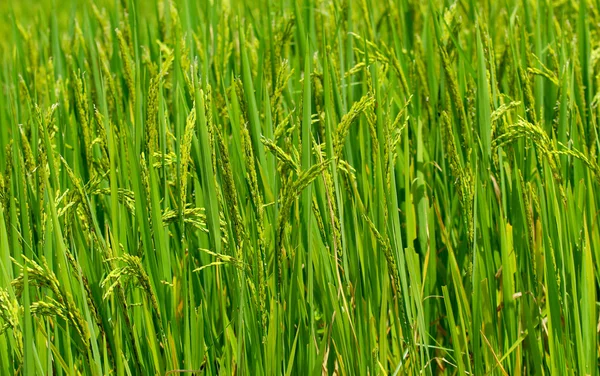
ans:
x=299 y=187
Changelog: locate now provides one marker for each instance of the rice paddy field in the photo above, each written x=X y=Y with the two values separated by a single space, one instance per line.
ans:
x=299 y=187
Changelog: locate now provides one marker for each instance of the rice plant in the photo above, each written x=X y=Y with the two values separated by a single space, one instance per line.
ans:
x=299 y=187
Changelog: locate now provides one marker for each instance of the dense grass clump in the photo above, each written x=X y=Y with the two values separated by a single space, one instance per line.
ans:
x=299 y=187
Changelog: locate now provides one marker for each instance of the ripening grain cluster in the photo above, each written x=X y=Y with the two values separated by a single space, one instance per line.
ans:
x=299 y=187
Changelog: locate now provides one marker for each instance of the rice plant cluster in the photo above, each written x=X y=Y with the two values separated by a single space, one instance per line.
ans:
x=299 y=187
